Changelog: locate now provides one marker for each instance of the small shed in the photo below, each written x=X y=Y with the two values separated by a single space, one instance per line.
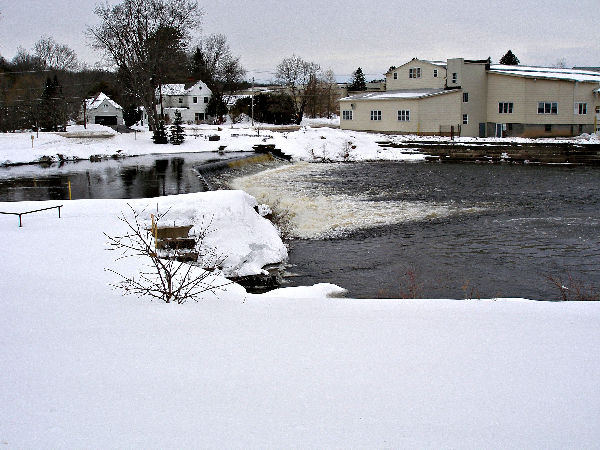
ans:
x=102 y=110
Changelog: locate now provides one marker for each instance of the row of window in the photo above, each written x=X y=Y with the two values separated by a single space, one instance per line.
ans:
x=403 y=115
x=194 y=99
x=503 y=108
x=415 y=72
x=543 y=108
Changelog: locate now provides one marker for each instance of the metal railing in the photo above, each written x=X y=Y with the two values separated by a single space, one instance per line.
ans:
x=29 y=212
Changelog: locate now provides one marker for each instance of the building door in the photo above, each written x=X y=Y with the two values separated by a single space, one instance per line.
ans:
x=499 y=128
x=482 y=130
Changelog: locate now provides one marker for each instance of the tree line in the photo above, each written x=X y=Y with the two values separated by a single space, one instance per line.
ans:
x=148 y=43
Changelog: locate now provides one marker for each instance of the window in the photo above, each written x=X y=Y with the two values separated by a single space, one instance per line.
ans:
x=346 y=115
x=375 y=115
x=548 y=128
x=205 y=99
x=465 y=119
x=180 y=100
x=195 y=99
x=597 y=109
x=454 y=77
x=547 y=108
x=465 y=97
x=404 y=115
x=395 y=75
x=505 y=107
x=199 y=116
x=580 y=108
x=415 y=72
x=435 y=73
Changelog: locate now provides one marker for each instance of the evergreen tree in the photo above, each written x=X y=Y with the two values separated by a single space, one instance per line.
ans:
x=131 y=115
x=177 y=134
x=52 y=111
x=509 y=59
x=358 y=81
x=160 y=135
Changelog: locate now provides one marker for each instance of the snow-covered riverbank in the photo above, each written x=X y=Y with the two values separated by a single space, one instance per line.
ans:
x=307 y=143
x=83 y=366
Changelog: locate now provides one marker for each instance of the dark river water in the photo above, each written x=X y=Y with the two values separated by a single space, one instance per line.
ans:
x=528 y=223
x=479 y=231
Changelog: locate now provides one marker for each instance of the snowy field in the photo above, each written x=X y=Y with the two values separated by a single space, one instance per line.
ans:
x=84 y=367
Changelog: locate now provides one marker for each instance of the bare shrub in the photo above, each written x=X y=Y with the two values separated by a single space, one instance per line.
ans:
x=470 y=291
x=410 y=286
x=167 y=277
x=573 y=289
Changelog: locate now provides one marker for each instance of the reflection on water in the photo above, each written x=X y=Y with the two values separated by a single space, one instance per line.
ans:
x=138 y=177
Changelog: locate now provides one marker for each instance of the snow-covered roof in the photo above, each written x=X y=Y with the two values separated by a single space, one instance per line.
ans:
x=173 y=89
x=400 y=94
x=95 y=102
x=547 y=72
x=437 y=63
x=178 y=88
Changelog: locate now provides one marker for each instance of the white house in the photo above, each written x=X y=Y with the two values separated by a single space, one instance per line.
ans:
x=190 y=100
x=102 y=110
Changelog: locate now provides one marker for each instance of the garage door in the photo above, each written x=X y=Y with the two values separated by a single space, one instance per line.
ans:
x=106 y=120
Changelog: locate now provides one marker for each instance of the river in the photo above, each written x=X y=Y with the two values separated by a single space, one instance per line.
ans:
x=388 y=229
x=385 y=229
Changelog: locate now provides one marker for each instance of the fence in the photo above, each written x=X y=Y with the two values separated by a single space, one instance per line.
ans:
x=29 y=212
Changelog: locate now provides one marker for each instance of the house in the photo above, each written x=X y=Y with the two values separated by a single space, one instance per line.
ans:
x=190 y=100
x=102 y=110
x=476 y=98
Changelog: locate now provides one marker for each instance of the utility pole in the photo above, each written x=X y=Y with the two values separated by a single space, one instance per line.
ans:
x=84 y=114
x=162 y=112
x=252 y=101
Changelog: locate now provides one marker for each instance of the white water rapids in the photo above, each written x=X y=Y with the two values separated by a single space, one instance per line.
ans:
x=301 y=192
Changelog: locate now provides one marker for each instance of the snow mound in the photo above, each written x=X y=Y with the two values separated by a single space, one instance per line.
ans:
x=320 y=290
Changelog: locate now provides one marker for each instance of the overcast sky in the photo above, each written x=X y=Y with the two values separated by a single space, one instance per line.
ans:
x=343 y=35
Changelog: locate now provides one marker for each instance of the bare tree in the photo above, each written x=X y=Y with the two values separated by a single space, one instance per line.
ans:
x=560 y=63
x=297 y=75
x=142 y=37
x=54 y=55
x=320 y=94
x=167 y=277
x=214 y=63
x=24 y=61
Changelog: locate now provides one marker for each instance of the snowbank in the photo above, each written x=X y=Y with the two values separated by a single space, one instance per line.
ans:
x=236 y=232
x=84 y=367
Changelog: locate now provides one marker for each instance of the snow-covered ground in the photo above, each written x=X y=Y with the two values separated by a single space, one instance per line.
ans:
x=84 y=367
x=307 y=143
x=317 y=139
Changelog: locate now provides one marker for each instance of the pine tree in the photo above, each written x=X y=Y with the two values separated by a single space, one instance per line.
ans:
x=358 y=81
x=52 y=110
x=160 y=135
x=509 y=59
x=177 y=134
